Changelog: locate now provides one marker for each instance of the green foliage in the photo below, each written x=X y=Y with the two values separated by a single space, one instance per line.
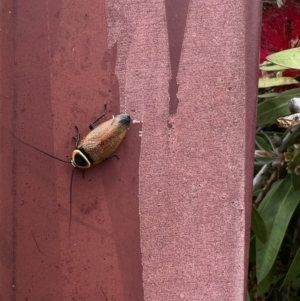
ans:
x=289 y=58
x=258 y=226
x=294 y=270
x=276 y=215
x=274 y=107
x=276 y=81
x=274 y=257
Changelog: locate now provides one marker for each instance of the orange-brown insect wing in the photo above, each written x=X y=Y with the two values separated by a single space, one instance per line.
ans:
x=103 y=140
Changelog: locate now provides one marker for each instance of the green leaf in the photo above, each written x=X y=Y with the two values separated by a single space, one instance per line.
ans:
x=288 y=58
x=296 y=177
x=262 y=144
x=252 y=250
x=267 y=200
x=276 y=214
x=264 y=285
x=294 y=91
x=258 y=225
x=296 y=181
x=296 y=159
x=296 y=284
x=276 y=81
x=248 y=296
x=294 y=270
x=271 y=109
x=267 y=95
x=272 y=68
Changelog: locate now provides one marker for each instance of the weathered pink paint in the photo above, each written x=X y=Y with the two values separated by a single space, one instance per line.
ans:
x=58 y=73
x=195 y=165
x=180 y=193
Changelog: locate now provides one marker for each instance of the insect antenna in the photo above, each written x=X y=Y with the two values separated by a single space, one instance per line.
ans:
x=39 y=150
x=58 y=159
x=71 y=190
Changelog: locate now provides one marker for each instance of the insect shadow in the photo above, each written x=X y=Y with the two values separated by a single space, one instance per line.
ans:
x=93 y=148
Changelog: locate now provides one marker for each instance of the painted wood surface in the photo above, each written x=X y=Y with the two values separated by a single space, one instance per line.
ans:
x=170 y=219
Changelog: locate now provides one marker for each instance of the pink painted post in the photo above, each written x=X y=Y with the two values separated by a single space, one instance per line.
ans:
x=168 y=221
x=189 y=71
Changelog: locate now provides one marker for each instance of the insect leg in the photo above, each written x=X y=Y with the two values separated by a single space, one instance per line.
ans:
x=91 y=125
x=77 y=139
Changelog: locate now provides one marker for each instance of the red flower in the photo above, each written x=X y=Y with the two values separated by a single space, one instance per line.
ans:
x=280 y=28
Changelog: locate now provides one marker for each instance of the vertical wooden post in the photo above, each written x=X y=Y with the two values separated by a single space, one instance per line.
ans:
x=188 y=69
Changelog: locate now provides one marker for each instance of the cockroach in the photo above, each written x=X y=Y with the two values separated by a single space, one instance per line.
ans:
x=95 y=147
